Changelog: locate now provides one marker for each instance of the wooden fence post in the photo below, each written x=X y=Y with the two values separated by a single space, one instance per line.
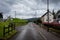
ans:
x=8 y=29
x=4 y=31
x=14 y=26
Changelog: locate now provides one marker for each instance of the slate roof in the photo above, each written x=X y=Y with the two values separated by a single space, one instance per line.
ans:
x=46 y=13
x=53 y=13
x=58 y=12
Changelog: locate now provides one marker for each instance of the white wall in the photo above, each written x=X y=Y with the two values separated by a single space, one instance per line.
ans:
x=50 y=18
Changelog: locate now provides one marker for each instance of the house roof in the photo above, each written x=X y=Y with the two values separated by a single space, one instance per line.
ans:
x=46 y=13
x=53 y=13
x=58 y=12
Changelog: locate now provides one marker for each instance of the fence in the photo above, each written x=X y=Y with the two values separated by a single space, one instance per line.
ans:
x=7 y=30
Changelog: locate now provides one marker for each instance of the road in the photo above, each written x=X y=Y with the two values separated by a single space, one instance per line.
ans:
x=32 y=32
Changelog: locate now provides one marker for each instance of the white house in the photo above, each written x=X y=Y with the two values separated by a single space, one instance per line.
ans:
x=45 y=18
x=58 y=16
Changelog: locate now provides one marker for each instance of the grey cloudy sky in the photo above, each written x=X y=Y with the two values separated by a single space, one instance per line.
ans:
x=27 y=8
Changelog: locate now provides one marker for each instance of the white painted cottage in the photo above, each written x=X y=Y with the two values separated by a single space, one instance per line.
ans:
x=58 y=16
x=44 y=18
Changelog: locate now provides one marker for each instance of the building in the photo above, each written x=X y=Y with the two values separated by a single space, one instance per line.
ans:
x=45 y=19
x=58 y=16
x=1 y=17
x=54 y=19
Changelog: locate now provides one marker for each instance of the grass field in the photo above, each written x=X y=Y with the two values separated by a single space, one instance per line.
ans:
x=19 y=22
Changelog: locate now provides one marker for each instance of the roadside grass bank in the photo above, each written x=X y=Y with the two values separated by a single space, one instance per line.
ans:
x=50 y=29
x=2 y=25
x=55 y=30
x=8 y=36
x=16 y=21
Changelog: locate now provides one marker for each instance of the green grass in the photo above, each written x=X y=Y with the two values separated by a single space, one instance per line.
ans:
x=1 y=28
x=55 y=30
x=10 y=34
x=18 y=22
x=2 y=25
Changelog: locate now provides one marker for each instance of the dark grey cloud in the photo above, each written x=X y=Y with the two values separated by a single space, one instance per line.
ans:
x=5 y=5
x=38 y=1
x=53 y=4
x=55 y=1
x=52 y=1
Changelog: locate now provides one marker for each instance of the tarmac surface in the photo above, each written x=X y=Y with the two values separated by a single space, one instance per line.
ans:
x=31 y=31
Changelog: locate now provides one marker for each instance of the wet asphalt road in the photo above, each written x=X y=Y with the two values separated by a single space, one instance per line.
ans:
x=32 y=31
x=27 y=32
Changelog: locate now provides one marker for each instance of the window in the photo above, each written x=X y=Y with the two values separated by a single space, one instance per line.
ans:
x=58 y=16
x=50 y=14
x=46 y=19
x=50 y=20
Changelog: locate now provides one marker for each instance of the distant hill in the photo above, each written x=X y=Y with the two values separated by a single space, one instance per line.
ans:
x=32 y=19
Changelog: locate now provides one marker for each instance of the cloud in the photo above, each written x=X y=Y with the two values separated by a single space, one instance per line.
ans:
x=53 y=4
x=51 y=1
x=5 y=5
x=25 y=8
x=55 y=1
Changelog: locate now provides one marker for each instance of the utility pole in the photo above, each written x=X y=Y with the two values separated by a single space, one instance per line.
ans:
x=48 y=10
x=35 y=15
x=48 y=14
x=15 y=14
